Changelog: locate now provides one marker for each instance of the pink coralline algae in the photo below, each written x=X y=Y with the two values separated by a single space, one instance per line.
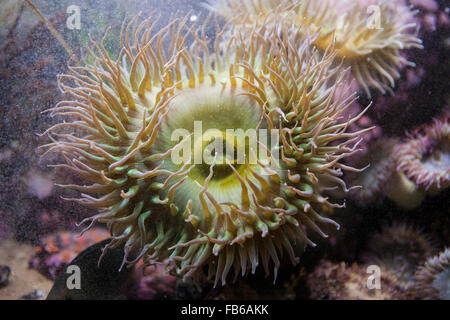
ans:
x=57 y=250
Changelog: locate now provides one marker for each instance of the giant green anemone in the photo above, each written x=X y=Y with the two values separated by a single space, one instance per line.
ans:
x=132 y=130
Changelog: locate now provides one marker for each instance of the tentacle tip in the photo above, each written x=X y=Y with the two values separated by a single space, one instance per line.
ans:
x=39 y=134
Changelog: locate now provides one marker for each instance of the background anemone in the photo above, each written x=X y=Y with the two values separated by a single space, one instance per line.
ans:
x=369 y=38
x=222 y=215
x=340 y=281
x=433 y=279
x=381 y=179
x=399 y=249
x=373 y=180
x=424 y=158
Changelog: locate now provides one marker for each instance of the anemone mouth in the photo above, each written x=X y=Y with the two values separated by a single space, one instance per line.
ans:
x=425 y=157
x=436 y=157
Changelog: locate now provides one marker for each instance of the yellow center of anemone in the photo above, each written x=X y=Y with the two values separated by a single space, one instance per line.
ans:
x=215 y=135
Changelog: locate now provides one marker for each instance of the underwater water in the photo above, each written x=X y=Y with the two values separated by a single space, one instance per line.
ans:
x=216 y=230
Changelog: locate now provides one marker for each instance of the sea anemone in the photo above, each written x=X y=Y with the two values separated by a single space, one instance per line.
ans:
x=370 y=38
x=340 y=281
x=399 y=249
x=433 y=279
x=381 y=179
x=425 y=157
x=376 y=177
x=217 y=214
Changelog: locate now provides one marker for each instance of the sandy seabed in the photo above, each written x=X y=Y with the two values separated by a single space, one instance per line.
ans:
x=23 y=283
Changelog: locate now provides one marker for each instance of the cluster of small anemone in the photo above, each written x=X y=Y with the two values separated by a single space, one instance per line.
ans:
x=222 y=217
